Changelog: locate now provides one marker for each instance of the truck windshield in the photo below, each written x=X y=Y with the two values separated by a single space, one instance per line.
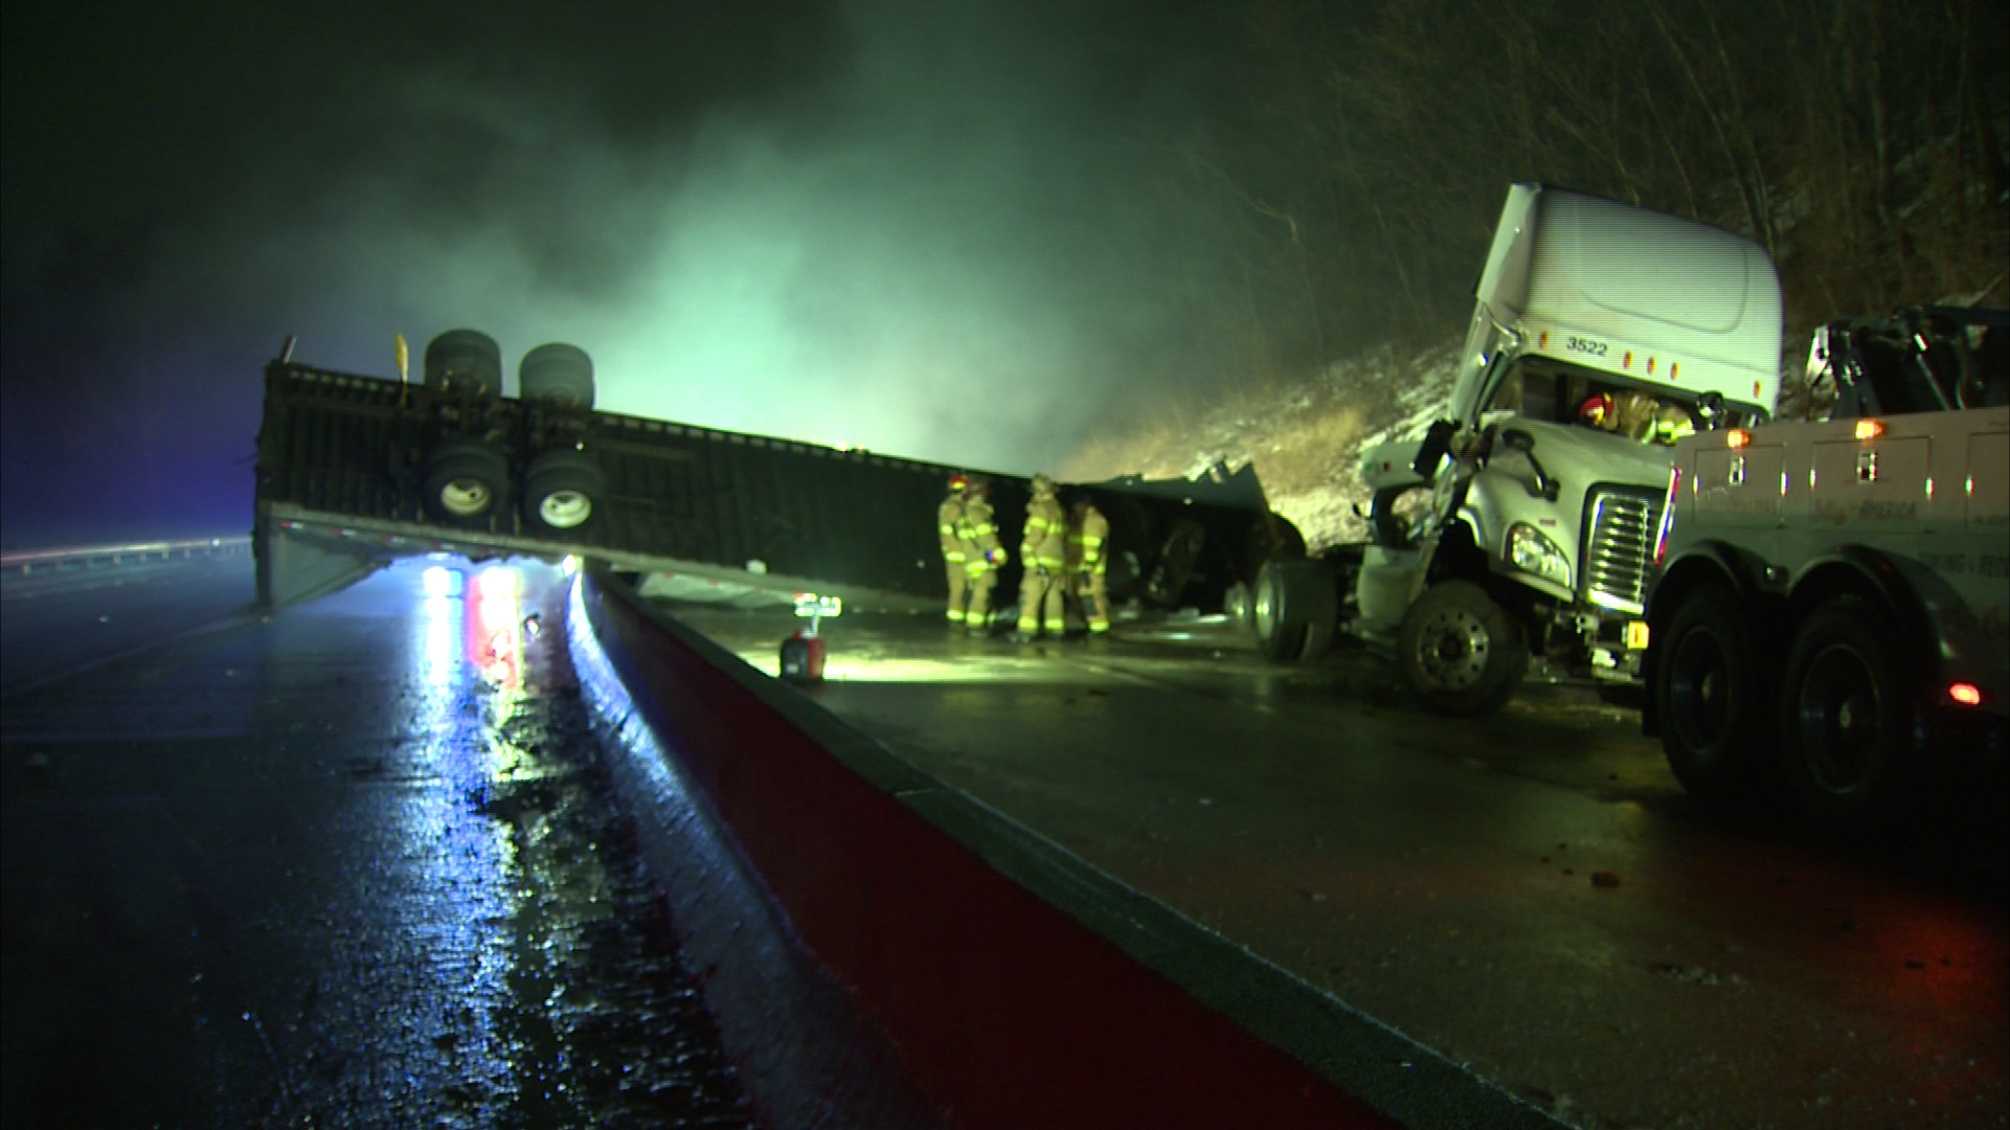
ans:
x=1563 y=395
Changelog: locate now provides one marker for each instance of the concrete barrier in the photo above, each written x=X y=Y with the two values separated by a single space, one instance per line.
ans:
x=882 y=950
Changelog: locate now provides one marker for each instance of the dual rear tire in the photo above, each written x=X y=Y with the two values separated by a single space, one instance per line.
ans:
x=1831 y=736
x=467 y=484
x=1294 y=609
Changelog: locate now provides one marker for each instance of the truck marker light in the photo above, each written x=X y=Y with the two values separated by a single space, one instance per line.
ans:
x=1542 y=340
x=1650 y=366
x=1626 y=362
x=1637 y=635
x=1967 y=694
x=1929 y=488
x=1674 y=369
x=1869 y=429
x=1737 y=438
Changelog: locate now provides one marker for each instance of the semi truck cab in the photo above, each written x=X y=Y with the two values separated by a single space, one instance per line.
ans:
x=1600 y=332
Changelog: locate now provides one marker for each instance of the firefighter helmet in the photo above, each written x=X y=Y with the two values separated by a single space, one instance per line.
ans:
x=1042 y=485
x=959 y=482
x=1599 y=410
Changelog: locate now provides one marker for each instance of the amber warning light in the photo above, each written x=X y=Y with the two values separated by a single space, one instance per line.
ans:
x=1967 y=694
x=1869 y=429
x=1737 y=437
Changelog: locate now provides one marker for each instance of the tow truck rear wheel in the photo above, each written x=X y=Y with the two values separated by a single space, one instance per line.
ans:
x=1712 y=698
x=563 y=492
x=466 y=483
x=1462 y=654
x=1294 y=610
x=1845 y=718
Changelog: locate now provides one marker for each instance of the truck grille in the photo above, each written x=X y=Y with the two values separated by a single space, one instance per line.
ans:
x=1618 y=546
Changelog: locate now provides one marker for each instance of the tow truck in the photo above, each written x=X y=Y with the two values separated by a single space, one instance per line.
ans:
x=1831 y=621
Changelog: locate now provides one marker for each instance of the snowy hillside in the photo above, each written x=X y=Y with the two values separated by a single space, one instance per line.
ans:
x=1305 y=438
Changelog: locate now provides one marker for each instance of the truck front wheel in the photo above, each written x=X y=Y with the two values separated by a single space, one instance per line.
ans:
x=1845 y=719
x=1711 y=696
x=1461 y=652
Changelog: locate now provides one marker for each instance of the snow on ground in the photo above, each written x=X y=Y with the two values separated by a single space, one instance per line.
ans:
x=1304 y=437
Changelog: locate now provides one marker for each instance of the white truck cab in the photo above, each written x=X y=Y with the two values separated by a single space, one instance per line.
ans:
x=1832 y=617
x=1522 y=524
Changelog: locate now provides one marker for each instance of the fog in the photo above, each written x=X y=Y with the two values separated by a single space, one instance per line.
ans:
x=926 y=229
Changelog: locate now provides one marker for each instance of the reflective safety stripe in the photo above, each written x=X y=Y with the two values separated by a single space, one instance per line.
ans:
x=1035 y=522
x=984 y=529
x=1029 y=626
x=948 y=530
x=1050 y=562
x=955 y=615
x=1091 y=539
x=1099 y=625
x=978 y=568
x=955 y=557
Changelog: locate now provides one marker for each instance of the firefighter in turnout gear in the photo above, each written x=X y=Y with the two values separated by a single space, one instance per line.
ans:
x=1088 y=562
x=977 y=535
x=1043 y=553
x=948 y=519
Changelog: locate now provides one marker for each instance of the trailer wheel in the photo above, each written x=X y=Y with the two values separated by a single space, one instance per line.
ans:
x=1845 y=718
x=557 y=373
x=466 y=482
x=1462 y=654
x=1294 y=610
x=1711 y=697
x=563 y=491
x=465 y=360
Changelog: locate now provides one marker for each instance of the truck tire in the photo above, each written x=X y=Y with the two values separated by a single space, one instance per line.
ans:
x=1846 y=752
x=564 y=492
x=557 y=373
x=1461 y=653
x=466 y=483
x=1712 y=698
x=1239 y=606
x=1294 y=611
x=468 y=359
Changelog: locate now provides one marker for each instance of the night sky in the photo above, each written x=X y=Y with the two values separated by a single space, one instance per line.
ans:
x=919 y=227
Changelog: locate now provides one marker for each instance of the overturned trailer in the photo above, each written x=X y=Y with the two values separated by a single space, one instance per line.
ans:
x=355 y=471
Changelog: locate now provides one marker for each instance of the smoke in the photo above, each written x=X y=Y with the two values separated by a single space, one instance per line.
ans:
x=926 y=229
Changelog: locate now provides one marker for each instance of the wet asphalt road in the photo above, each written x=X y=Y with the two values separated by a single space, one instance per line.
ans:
x=1531 y=895
x=59 y=619
x=355 y=865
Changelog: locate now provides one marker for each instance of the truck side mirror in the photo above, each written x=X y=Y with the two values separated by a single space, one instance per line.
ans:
x=1710 y=406
x=1523 y=443
x=1437 y=441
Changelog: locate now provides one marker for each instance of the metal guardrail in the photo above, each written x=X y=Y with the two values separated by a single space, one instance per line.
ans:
x=26 y=562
